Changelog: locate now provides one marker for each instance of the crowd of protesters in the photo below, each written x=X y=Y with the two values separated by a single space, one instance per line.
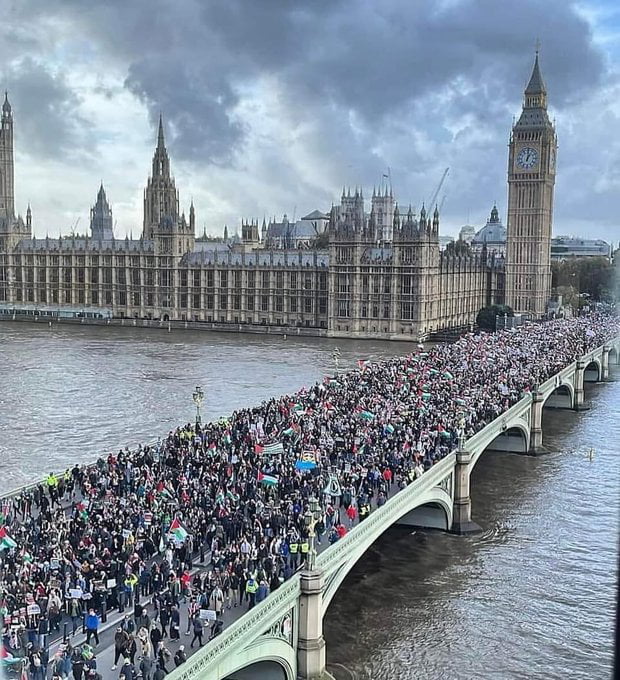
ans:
x=239 y=490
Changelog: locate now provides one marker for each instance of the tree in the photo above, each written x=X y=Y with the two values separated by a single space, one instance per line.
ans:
x=458 y=247
x=486 y=316
x=590 y=278
x=321 y=241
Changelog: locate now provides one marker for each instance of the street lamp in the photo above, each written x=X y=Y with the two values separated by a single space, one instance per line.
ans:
x=198 y=397
x=311 y=519
x=336 y=358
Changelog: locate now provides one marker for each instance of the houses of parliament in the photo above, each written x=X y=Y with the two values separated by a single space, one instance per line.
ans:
x=378 y=273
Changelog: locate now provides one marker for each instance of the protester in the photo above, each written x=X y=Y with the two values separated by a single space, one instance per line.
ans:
x=239 y=489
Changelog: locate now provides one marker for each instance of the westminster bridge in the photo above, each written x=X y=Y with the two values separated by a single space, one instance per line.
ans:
x=282 y=637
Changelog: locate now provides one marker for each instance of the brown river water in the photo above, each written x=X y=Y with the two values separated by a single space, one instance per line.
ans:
x=532 y=596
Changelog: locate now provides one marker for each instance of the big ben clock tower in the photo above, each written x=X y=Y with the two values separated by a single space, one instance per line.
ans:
x=531 y=178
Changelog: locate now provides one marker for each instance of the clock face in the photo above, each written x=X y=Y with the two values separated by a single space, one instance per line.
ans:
x=527 y=157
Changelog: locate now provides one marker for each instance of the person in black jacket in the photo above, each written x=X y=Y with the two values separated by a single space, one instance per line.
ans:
x=180 y=657
x=175 y=623
x=164 y=619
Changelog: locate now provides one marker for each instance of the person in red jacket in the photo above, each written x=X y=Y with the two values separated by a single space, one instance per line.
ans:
x=351 y=514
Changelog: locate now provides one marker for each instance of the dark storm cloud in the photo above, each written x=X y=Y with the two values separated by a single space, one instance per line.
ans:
x=360 y=85
x=190 y=58
x=51 y=125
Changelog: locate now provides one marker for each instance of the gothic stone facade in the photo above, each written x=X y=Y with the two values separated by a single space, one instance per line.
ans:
x=531 y=181
x=383 y=275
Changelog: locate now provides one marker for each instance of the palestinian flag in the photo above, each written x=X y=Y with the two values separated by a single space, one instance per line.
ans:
x=448 y=376
x=426 y=396
x=272 y=449
x=177 y=530
x=362 y=363
x=164 y=491
x=298 y=408
x=366 y=415
x=267 y=480
x=258 y=448
x=82 y=511
x=389 y=428
x=291 y=431
x=6 y=542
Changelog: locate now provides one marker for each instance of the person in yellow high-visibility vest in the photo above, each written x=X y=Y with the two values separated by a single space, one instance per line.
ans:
x=293 y=548
x=250 y=588
x=52 y=488
x=304 y=548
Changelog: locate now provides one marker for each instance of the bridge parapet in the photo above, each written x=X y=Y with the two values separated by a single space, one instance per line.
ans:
x=518 y=415
x=340 y=557
x=236 y=647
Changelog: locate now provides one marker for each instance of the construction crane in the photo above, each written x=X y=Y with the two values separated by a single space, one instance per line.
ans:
x=431 y=203
x=443 y=200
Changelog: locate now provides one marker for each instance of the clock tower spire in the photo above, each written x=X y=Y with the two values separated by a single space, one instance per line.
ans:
x=531 y=180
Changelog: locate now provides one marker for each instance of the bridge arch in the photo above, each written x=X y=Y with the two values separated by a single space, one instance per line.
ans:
x=593 y=371
x=514 y=438
x=434 y=505
x=613 y=357
x=265 y=659
x=563 y=396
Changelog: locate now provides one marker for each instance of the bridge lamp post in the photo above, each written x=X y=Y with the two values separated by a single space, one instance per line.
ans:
x=311 y=519
x=336 y=358
x=198 y=397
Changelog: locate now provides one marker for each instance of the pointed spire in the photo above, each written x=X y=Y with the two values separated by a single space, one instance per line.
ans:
x=6 y=107
x=160 y=133
x=536 y=84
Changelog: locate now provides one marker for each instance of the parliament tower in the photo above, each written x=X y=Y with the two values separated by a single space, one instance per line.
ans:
x=531 y=178
x=7 y=204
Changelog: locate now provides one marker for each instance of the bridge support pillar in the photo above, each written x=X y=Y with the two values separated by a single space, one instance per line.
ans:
x=580 y=370
x=310 y=644
x=605 y=362
x=461 y=521
x=536 y=435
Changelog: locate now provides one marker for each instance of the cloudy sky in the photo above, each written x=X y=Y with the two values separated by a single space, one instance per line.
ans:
x=271 y=106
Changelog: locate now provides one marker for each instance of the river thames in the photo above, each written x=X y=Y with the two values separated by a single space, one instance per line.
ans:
x=533 y=596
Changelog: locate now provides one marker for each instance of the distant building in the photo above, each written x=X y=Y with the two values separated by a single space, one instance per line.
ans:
x=467 y=233
x=563 y=247
x=374 y=274
x=293 y=235
x=444 y=241
x=492 y=235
